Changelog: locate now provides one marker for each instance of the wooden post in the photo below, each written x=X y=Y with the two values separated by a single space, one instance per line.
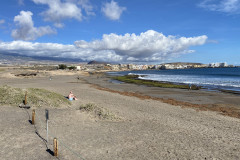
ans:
x=33 y=116
x=25 y=102
x=55 y=147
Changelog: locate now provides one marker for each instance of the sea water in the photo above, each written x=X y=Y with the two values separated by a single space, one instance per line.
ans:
x=209 y=78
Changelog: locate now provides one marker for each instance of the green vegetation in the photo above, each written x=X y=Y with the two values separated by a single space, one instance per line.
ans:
x=2 y=69
x=101 y=113
x=134 y=79
x=62 y=66
x=35 y=97
x=72 y=68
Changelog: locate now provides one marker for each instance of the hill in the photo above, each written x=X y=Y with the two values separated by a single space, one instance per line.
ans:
x=97 y=62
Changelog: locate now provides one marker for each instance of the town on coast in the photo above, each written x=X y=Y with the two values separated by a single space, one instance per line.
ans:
x=95 y=65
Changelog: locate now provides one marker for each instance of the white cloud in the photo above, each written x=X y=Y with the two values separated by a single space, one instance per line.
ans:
x=2 y=21
x=86 y=6
x=36 y=49
x=59 y=11
x=149 y=46
x=112 y=10
x=56 y=50
x=226 y=6
x=25 y=27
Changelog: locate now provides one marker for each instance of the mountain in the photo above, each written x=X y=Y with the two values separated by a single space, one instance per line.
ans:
x=97 y=62
x=13 y=58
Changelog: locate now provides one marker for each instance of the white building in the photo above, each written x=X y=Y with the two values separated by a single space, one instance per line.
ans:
x=78 y=68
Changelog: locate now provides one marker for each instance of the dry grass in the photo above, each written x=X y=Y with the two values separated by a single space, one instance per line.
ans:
x=35 y=97
x=11 y=96
x=99 y=112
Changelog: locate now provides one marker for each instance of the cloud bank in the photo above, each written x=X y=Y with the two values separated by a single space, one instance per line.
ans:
x=56 y=50
x=112 y=10
x=25 y=28
x=149 y=46
x=226 y=6
x=58 y=11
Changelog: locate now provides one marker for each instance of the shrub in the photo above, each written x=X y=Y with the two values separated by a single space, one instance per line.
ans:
x=62 y=66
x=101 y=113
x=72 y=68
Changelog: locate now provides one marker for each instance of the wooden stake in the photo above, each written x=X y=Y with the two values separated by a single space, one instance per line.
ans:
x=33 y=116
x=25 y=102
x=55 y=147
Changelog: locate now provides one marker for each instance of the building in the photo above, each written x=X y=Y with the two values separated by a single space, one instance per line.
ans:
x=78 y=68
x=115 y=67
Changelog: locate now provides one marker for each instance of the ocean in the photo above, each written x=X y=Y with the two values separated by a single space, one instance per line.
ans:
x=208 y=78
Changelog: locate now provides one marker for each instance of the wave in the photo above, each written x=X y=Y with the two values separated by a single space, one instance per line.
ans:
x=197 y=80
x=220 y=78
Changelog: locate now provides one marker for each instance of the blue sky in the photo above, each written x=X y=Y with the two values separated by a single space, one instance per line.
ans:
x=123 y=31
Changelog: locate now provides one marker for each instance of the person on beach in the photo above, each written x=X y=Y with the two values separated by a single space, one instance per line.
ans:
x=190 y=87
x=71 y=96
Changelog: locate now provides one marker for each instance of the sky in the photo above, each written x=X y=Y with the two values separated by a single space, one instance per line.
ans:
x=123 y=31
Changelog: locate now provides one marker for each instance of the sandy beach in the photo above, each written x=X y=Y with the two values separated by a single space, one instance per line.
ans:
x=148 y=127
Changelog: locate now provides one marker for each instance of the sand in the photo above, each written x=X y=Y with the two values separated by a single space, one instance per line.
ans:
x=148 y=128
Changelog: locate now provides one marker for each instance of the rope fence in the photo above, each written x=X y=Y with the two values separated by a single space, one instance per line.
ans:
x=49 y=134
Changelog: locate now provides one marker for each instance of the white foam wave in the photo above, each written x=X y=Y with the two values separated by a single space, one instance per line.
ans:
x=198 y=80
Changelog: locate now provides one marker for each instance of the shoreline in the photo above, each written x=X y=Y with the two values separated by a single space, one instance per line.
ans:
x=211 y=86
x=202 y=88
x=202 y=100
x=196 y=87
